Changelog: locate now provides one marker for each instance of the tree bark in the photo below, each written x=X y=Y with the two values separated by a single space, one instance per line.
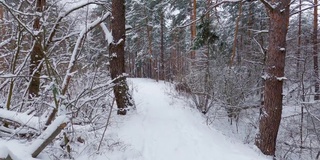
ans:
x=315 y=51
x=162 y=72
x=299 y=41
x=234 y=47
x=117 y=62
x=149 y=35
x=2 y=37
x=193 y=25
x=1 y=13
x=298 y=72
x=275 y=63
x=36 y=55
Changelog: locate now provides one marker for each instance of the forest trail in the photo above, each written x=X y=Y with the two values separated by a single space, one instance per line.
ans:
x=164 y=128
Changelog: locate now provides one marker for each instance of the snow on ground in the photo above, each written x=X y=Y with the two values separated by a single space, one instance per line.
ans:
x=162 y=128
x=165 y=128
x=22 y=151
x=16 y=149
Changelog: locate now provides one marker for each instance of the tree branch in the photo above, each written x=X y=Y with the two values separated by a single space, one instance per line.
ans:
x=267 y=4
x=61 y=16
x=304 y=9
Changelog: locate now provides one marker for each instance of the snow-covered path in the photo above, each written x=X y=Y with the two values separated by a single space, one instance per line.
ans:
x=163 y=129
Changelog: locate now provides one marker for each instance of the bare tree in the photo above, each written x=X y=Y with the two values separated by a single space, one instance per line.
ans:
x=117 y=62
x=279 y=12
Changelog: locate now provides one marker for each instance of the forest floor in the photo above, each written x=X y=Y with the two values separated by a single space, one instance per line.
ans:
x=163 y=127
x=166 y=128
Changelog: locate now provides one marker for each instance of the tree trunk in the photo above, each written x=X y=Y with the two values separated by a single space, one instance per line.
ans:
x=207 y=86
x=298 y=73
x=234 y=47
x=1 y=13
x=193 y=16
x=36 y=55
x=275 y=63
x=150 y=64
x=315 y=51
x=299 y=41
x=2 y=25
x=161 y=69
x=149 y=67
x=117 y=62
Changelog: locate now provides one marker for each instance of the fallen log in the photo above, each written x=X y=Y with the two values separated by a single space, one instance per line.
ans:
x=48 y=135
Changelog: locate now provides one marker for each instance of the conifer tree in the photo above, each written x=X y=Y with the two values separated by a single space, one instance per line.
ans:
x=117 y=60
x=279 y=13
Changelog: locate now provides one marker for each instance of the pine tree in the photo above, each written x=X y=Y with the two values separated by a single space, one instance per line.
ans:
x=117 y=60
x=279 y=12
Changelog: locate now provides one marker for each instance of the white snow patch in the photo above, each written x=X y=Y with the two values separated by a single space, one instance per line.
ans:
x=165 y=129
x=22 y=118
x=282 y=49
x=265 y=76
x=107 y=33
x=3 y=151
x=114 y=55
x=281 y=78
x=15 y=149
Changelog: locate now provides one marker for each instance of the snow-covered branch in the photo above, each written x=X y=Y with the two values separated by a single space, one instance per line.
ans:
x=211 y=8
x=107 y=33
x=22 y=118
x=262 y=50
x=16 y=18
x=293 y=13
x=63 y=15
x=48 y=135
x=76 y=49
x=5 y=42
x=268 y=4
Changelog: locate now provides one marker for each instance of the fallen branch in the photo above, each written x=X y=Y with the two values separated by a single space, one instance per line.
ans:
x=48 y=135
x=23 y=119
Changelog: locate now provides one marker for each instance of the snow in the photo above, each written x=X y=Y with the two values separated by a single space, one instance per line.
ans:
x=281 y=78
x=265 y=76
x=78 y=45
x=23 y=151
x=165 y=128
x=162 y=128
x=107 y=33
x=273 y=6
x=22 y=118
x=72 y=5
x=15 y=149
x=9 y=75
x=45 y=135
x=4 y=151
x=5 y=42
x=11 y=9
